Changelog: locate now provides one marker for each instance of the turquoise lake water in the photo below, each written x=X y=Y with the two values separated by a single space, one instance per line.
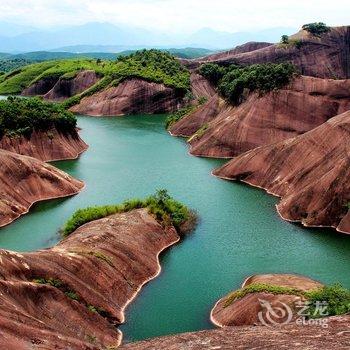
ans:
x=239 y=233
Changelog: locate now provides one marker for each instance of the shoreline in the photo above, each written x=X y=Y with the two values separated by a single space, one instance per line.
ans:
x=44 y=200
x=278 y=212
x=138 y=290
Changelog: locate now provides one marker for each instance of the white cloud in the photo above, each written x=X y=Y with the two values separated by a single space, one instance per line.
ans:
x=177 y=15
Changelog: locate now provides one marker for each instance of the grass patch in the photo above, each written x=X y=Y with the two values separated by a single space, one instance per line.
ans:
x=202 y=100
x=261 y=288
x=96 y=254
x=199 y=133
x=164 y=208
x=20 y=116
x=232 y=81
x=98 y=310
x=59 y=285
x=291 y=43
x=336 y=297
x=72 y=295
x=151 y=65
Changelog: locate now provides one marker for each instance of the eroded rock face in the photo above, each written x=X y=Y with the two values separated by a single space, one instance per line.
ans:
x=103 y=264
x=130 y=97
x=248 y=47
x=189 y=124
x=40 y=87
x=201 y=87
x=244 y=311
x=292 y=336
x=278 y=115
x=65 y=88
x=310 y=172
x=46 y=146
x=25 y=180
x=324 y=57
x=60 y=88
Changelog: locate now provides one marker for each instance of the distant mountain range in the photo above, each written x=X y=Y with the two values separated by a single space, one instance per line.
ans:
x=106 y=37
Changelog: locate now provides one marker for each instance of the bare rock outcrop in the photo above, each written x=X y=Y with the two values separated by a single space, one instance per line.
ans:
x=192 y=122
x=229 y=311
x=248 y=47
x=68 y=87
x=25 y=180
x=59 y=88
x=46 y=145
x=292 y=336
x=310 y=173
x=73 y=295
x=40 y=87
x=301 y=106
x=327 y=56
x=201 y=87
x=130 y=97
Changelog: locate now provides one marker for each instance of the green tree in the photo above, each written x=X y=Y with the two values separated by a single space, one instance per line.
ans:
x=284 y=39
x=316 y=28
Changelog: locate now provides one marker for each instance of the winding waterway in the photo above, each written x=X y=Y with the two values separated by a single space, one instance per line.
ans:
x=239 y=234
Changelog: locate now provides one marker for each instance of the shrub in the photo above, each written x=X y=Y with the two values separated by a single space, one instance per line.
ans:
x=202 y=100
x=20 y=116
x=213 y=72
x=164 y=208
x=336 y=297
x=316 y=28
x=258 y=77
x=233 y=80
x=297 y=43
x=175 y=117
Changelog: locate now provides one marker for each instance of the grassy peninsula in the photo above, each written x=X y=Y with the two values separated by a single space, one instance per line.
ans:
x=161 y=205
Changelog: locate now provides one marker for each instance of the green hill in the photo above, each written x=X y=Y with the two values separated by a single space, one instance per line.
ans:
x=150 y=65
x=9 y=62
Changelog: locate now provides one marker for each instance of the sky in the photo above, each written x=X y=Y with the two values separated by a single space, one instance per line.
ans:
x=177 y=15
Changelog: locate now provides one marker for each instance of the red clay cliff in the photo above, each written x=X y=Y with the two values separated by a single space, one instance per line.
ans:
x=97 y=271
x=309 y=172
x=260 y=120
x=25 y=180
x=46 y=145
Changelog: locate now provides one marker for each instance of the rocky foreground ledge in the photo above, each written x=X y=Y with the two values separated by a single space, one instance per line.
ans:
x=271 y=298
x=73 y=295
x=336 y=336
x=242 y=307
